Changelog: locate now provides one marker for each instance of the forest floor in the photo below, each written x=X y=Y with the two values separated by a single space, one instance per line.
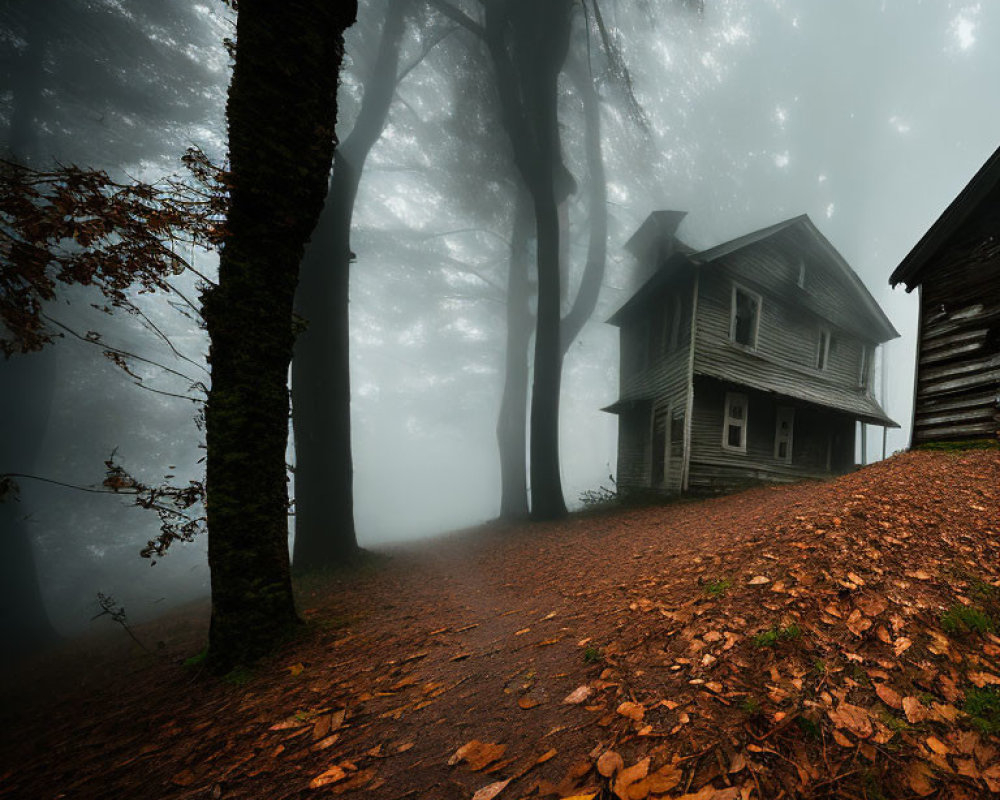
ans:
x=816 y=640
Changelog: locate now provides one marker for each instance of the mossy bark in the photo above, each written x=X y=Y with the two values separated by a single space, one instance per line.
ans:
x=281 y=113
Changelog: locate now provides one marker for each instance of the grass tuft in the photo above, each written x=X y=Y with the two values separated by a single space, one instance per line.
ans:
x=718 y=588
x=771 y=638
x=962 y=620
x=983 y=708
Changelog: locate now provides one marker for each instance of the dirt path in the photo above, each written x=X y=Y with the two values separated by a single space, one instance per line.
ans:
x=655 y=615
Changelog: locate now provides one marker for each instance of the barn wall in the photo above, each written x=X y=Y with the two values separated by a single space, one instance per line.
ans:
x=958 y=368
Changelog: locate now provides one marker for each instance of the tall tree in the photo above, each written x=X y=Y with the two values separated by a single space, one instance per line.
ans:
x=282 y=111
x=529 y=44
x=512 y=419
x=321 y=389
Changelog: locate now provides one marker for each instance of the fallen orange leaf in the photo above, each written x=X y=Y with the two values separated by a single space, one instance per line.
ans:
x=332 y=775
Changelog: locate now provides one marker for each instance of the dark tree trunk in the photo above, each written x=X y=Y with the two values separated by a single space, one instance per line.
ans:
x=546 y=482
x=25 y=403
x=512 y=423
x=597 y=213
x=282 y=113
x=321 y=391
x=528 y=43
x=321 y=388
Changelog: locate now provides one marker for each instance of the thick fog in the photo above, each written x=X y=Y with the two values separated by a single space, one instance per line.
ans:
x=869 y=117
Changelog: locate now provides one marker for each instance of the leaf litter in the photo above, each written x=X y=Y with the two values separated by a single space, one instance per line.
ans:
x=785 y=641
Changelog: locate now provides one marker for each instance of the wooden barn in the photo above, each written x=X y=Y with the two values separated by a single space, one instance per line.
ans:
x=747 y=362
x=956 y=264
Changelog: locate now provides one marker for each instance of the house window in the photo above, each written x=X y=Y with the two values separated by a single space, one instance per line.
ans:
x=865 y=373
x=802 y=274
x=744 y=317
x=784 y=423
x=734 y=431
x=823 y=349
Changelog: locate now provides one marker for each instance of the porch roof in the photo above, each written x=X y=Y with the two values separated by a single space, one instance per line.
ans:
x=856 y=403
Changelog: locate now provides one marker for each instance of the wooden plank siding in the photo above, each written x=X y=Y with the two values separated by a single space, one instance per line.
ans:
x=658 y=374
x=678 y=361
x=822 y=441
x=956 y=264
x=784 y=360
x=958 y=363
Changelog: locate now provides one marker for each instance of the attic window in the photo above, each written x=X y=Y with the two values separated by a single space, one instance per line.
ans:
x=823 y=349
x=734 y=431
x=744 y=319
x=802 y=274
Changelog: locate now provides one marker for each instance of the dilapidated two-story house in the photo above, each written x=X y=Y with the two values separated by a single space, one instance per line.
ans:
x=750 y=361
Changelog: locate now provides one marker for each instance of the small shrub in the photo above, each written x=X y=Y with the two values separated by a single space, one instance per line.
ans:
x=983 y=707
x=592 y=655
x=718 y=588
x=601 y=497
x=961 y=620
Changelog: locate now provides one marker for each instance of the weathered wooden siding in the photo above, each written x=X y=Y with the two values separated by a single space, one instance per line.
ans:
x=822 y=441
x=958 y=367
x=633 y=447
x=784 y=360
x=659 y=377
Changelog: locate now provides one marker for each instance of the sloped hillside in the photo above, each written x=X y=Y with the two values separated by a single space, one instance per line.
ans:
x=816 y=640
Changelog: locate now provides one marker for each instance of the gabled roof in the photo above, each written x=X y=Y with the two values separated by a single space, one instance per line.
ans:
x=911 y=269
x=802 y=222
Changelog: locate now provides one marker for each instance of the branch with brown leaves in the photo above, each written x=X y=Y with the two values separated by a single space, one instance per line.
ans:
x=74 y=226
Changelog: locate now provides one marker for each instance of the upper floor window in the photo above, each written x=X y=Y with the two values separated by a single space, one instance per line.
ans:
x=734 y=430
x=744 y=320
x=823 y=349
x=802 y=274
x=865 y=371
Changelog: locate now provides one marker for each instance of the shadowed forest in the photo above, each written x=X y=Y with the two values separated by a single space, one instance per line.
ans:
x=453 y=399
